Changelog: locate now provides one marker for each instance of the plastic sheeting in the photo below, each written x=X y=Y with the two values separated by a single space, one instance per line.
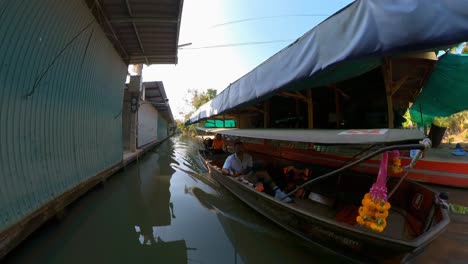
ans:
x=446 y=91
x=347 y=44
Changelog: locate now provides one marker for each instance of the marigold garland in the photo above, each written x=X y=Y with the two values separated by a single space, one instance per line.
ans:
x=396 y=162
x=373 y=213
x=375 y=208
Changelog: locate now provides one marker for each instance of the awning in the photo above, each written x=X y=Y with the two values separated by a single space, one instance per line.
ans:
x=156 y=95
x=349 y=43
x=327 y=136
x=446 y=91
x=142 y=31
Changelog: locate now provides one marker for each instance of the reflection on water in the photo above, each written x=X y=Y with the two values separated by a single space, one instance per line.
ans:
x=165 y=209
x=151 y=208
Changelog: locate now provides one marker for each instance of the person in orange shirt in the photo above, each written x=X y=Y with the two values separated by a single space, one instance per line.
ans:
x=218 y=144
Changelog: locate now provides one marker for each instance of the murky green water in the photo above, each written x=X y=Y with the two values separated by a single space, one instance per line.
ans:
x=165 y=209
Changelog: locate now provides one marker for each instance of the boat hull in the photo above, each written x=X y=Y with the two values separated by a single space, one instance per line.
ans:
x=428 y=170
x=339 y=237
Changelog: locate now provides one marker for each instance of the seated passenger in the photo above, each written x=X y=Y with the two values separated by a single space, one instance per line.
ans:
x=218 y=144
x=295 y=177
x=208 y=142
x=240 y=164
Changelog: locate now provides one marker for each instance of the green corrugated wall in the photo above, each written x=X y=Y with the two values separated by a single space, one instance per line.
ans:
x=162 y=128
x=61 y=93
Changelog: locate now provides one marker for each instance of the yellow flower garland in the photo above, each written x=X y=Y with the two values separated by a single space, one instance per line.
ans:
x=396 y=166
x=373 y=214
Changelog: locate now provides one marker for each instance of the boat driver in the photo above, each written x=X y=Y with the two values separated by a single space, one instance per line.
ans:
x=240 y=164
x=218 y=144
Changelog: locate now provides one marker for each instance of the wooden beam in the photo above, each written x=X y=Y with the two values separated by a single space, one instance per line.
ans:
x=253 y=108
x=387 y=74
x=337 y=108
x=396 y=86
x=144 y=19
x=298 y=96
x=238 y=121
x=298 y=109
x=266 y=114
x=310 y=109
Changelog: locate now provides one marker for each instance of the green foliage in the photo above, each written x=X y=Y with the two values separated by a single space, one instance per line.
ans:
x=200 y=98
x=197 y=100
x=451 y=139
x=408 y=123
x=465 y=49
x=455 y=123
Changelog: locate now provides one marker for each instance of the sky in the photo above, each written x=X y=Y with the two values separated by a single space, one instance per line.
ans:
x=208 y=23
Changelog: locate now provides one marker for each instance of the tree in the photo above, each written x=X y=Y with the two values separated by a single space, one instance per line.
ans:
x=465 y=49
x=200 y=98
x=197 y=100
x=456 y=124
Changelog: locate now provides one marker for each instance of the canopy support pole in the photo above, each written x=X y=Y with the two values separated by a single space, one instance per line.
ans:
x=387 y=74
x=266 y=114
x=238 y=121
x=310 y=109
x=298 y=114
x=337 y=109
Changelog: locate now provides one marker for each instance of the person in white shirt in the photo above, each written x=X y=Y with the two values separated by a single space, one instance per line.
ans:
x=240 y=164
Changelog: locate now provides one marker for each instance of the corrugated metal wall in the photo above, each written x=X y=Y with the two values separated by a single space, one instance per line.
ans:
x=61 y=89
x=147 y=124
x=162 y=128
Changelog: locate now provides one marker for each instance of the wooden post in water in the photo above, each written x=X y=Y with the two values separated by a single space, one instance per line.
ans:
x=310 y=109
x=387 y=74
x=266 y=114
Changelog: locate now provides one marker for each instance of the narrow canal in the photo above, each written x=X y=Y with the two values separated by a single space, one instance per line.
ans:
x=165 y=209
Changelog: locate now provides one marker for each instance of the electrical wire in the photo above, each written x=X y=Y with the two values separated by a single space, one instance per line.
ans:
x=266 y=17
x=239 y=44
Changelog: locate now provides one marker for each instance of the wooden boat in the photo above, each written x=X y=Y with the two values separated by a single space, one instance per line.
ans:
x=415 y=219
x=330 y=148
x=249 y=235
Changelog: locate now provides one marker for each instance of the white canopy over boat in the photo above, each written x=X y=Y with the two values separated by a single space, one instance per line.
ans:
x=326 y=136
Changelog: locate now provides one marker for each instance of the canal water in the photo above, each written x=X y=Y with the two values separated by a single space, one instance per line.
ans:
x=164 y=208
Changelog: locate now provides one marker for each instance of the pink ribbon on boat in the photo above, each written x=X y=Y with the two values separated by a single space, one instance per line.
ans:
x=378 y=191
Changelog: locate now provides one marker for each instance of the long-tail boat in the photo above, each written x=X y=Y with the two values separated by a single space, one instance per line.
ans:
x=328 y=216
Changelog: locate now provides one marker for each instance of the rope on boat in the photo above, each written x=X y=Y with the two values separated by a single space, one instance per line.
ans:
x=398 y=184
x=425 y=144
